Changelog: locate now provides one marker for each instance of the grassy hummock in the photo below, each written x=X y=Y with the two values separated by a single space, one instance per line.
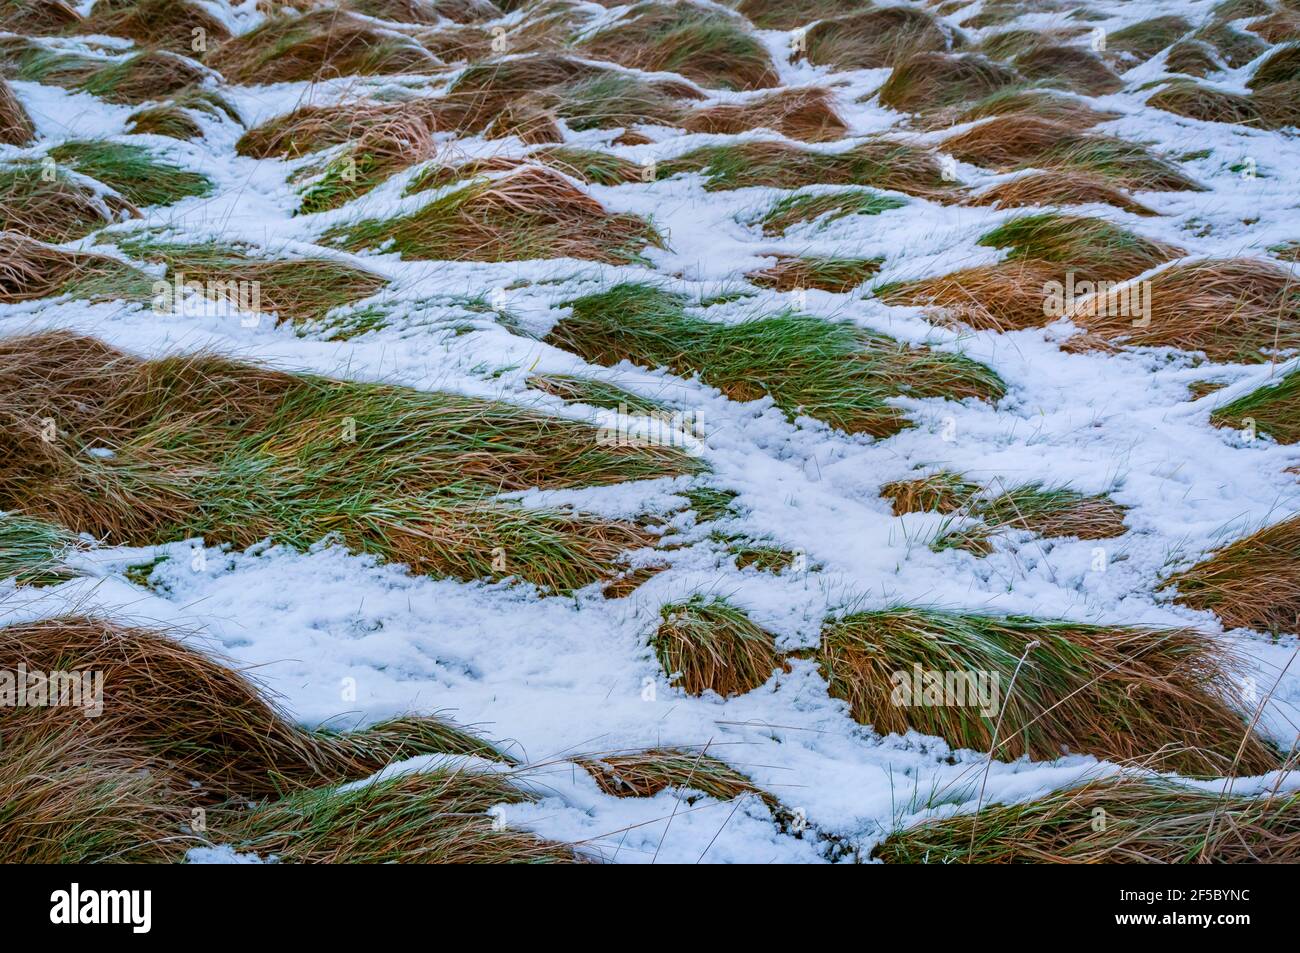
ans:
x=833 y=372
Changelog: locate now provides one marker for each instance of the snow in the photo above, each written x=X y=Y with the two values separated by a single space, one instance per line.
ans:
x=556 y=677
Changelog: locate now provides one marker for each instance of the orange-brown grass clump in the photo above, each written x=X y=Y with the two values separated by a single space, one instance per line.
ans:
x=386 y=147
x=1011 y=142
x=1164 y=698
x=808 y=114
x=206 y=446
x=54 y=210
x=878 y=37
x=646 y=773
x=1058 y=107
x=1009 y=296
x=526 y=214
x=1046 y=250
x=1047 y=511
x=587 y=95
x=703 y=44
x=1274 y=409
x=1278 y=27
x=178 y=730
x=928 y=81
x=1281 y=66
x=1058 y=188
x=1148 y=821
x=131 y=80
x=311 y=128
x=1236 y=48
x=1091 y=246
x=319 y=45
x=1193 y=57
x=429 y=817
x=708 y=644
x=30 y=269
x=181 y=26
x=294 y=289
x=1235 y=309
x=941 y=492
x=825 y=274
x=1185 y=98
x=16 y=128
x=38 y=17
x=884 y=163
x=1253 y=583
x=1069 y=67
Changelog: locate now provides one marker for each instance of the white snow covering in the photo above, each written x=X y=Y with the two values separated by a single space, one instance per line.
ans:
x=344 y=640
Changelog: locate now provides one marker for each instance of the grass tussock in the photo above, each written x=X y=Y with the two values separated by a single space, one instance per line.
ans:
x=823 y=208
x=703 y=44
x=1235 y=309
x=1051 y=512
x=1162 y=698
x=1147 y=821
x=884 y=36
x=38 y=17
x=1005 y=297
x=941 y=492
x=708 y=644
x=431 y=817
x=319 y=45
x=384 y=148
x=807 y=114
x=1184 y=98
x=1274 y=409
x=595 y=393
x=1011 y=142
x=1193 y=58
x=32 y=551
x=1092 y=246
x=1058 y=188
x=132 y=171
x=187 y=710
x=587 y=95
x=16 y=127
x=132 y=80
x=175 y=117
x=202 y=446
x=837 y=275
x=646 y=773
x=883 y=163
x=835 y=373
x=1280 y=26
x=930 y=81
x=295 y=289
x=1045 y=251
x=181 y=26
x=1281 y=66
x=1068 y=67
x=30 y=269
x=41 y=201
x=527 y=214
x=1252 y=583
x=1142 y=40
